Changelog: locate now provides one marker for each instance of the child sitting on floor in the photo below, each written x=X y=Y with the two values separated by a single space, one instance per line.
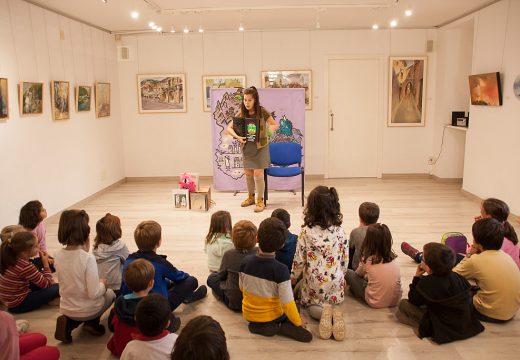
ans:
x=139 y=278
x=110 y=251
x=84 y=296
x=224 y=283
x=497 y=298
x=268 y=302
x=201 y=339
x=154 y=341
x=218 y=239
x=439 y=305
x=177 y=286
x=368 y=214
x=377 y=279
x=285 y=255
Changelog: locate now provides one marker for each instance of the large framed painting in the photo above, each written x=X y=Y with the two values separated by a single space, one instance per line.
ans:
x=102 y=92
x=60 y=97
x=31 y=98
x=290 y=79
x=83 y=98
x=4 y=99
x=407 y=91
x=220 y=82
x=161 y=93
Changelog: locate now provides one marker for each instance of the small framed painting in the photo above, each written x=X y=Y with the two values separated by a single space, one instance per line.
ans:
x=60 y=100
x=31 y=98
x=163 y=93
x=181 y=199
x=407 y=92
x=290 y=79
x=102 y=92
x=83 y=98
x=219 y=82
x=4 y=99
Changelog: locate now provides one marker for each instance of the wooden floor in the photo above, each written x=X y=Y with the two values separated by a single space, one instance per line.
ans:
x=417 y=211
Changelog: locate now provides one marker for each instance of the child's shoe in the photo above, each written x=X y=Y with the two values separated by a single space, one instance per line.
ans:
x=22 y=326
x=64 y=328
x=198 y=294
x=325 y=328
x=94 y=329
x=338 y=324
x=265 y=329
x=260 y=205
x=412 y=252
x=297 y=333
x=175 y=323
x=249 y=201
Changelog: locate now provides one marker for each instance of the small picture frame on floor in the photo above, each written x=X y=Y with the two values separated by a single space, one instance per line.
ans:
x=181 y=199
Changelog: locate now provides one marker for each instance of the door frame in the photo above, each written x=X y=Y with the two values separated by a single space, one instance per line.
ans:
x=382 y=83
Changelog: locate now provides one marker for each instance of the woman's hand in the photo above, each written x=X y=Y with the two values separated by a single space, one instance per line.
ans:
x=241 y=139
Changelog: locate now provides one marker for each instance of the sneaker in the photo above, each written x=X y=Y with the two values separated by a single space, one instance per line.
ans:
x=325 y=328
x=265 y=329
x=260 y=205
x=175 y=323
x=94 y=329
x=249 y=201
x=198 y=294
x=338 y=324
x=297 y=333
x=22 y=326
x=411 y=252
x=63 y=330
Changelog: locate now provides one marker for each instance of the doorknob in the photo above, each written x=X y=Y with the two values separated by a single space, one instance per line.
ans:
x=331 y=121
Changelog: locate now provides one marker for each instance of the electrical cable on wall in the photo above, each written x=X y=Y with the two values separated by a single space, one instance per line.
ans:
x=442 y=143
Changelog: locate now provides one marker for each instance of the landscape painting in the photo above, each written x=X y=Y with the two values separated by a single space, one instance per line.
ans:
x=31 y=98
x=102 y=99
x=220 y=82
x=290 y=79
x=83 y=98
x=60 y=100
x=4 y=99
x=161 y=93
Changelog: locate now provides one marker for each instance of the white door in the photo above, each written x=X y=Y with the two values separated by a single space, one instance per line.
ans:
x=354 y=105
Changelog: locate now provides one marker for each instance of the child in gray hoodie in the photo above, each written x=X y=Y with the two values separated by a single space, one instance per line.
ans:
x=110 y=251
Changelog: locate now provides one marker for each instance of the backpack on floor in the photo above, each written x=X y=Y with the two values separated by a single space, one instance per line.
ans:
x=455 y=241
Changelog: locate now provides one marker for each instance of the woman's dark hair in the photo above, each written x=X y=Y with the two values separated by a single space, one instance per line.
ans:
x=489 y=233
x=73 y=228
x=108 y=230
x=201 y=339
x=322 y=208
x=256 y=106
x=30 y=214
x=499 y=210
x=12 y=248
x=220 y=224
x=378 y=244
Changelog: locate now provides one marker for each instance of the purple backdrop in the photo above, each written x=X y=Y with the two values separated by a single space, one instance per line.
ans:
x=288 y=109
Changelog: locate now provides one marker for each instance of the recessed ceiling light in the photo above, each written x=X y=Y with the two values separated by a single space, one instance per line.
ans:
x=186 y=30
x=375 y=26
x=393 y=23
x=408 y=12
x=159 y=29
x=134 y=15
x=151 y=24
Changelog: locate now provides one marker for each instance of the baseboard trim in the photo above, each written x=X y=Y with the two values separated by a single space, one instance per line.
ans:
x=405 y=176
x=81 y=203
x=447 y=180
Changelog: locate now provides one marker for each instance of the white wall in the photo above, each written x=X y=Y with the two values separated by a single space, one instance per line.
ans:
x=57 y=162
x=454 y=58
x=167 y=144
x=491 y=165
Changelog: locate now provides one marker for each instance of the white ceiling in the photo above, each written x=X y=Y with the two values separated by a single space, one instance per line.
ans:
x=213 y=15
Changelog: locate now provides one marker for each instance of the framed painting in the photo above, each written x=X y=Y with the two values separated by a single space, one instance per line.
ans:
x=290 y=79
x=219 y=82
x=83 y=98
x=181 y=199
x=162 y=93
x=102 y=92
x=31 y=98
x=60 y=97
x=4 y=99
x=407 y=91
x=485 y=89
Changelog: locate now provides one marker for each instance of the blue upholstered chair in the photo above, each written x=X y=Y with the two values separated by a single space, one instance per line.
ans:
x=286 y=161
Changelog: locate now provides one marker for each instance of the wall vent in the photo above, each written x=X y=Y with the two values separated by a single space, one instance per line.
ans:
x=124 y=53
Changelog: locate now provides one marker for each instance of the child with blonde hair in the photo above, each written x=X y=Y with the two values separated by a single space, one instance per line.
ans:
x=322 y=257
x=110 y=251
x=218 y=239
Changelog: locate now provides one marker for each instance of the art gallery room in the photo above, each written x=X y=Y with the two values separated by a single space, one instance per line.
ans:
x=386 y=124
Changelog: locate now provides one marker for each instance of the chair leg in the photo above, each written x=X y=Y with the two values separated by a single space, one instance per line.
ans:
x=265 y=188
x=303 y=187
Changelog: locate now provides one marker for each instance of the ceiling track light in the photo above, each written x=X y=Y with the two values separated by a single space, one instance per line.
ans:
x=135 y=14
x=172 y=30
x=408 y=12
x=158 y=29
x=375 y=26
x=186 y=30
x=393 y=23
x=241 y=28
x=104 y=1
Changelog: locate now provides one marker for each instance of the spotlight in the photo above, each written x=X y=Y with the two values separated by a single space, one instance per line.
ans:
x=240 y=28
x=375 y=26
x=408 y=12
x=135 y=15
x=186 y=30
x=172 y=30
x=104 y=1
x=393 y=23
x=201 y=30
x=151 y=24
x=159 y=29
